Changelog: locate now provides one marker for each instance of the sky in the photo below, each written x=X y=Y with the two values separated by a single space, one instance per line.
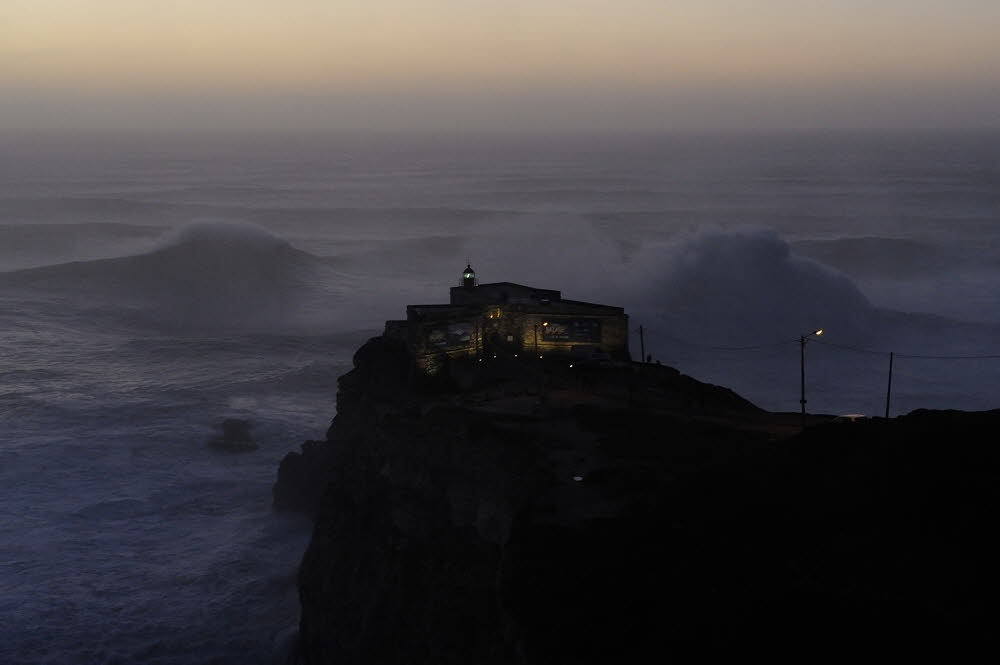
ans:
x=519 y=65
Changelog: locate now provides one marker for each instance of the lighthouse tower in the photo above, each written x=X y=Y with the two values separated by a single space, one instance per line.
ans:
x=468 y=276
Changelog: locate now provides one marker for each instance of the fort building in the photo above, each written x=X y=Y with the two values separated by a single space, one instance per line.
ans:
x=504 y=318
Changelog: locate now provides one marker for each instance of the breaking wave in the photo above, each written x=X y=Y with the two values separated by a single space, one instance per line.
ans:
x=214 y=274
x=746 y=286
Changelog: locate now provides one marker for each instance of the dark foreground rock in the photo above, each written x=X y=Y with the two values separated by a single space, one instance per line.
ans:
x=235 y=438
x=522 y=515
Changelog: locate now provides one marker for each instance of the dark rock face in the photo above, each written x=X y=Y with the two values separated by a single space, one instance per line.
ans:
x=235 y=437
x=462 y=527
x=302 y=478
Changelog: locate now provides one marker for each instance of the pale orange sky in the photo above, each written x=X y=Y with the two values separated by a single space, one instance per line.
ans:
x=434 y=63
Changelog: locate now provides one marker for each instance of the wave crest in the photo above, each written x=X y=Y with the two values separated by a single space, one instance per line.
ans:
x=224 y=237
x=747 y=286
x=216 y=274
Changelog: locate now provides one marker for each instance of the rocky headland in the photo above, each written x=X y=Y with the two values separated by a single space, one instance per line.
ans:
x=509 y=512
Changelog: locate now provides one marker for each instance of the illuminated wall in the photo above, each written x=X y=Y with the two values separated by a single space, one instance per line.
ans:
x=510 y=331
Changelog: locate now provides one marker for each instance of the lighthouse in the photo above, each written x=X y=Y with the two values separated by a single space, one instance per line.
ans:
x=468 y=276
x=485 y=322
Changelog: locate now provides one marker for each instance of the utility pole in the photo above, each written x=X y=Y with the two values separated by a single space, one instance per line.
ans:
x=802 y=375
x=642 y=344
x=802 y=371
x=888 y=391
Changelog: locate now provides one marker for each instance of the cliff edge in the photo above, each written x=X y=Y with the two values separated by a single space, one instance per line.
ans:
x=509 y=512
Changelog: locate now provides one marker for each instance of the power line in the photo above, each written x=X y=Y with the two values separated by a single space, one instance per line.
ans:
x=814 y=340
x=915 y=356
x=802 y=340
x=848 y=347
x=756 y=347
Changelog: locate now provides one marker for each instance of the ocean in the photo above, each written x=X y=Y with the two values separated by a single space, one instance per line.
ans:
x=151 y=287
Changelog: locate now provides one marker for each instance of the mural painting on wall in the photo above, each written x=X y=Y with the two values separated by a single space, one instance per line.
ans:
x=451 y=335
x=572 y=330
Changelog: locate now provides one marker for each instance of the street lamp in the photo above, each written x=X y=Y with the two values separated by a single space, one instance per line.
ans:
x=544 y=325
x=802 y=370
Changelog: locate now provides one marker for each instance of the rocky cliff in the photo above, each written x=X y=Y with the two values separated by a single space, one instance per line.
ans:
x=510 y=512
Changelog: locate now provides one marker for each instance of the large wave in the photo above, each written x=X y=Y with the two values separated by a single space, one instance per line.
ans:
x=743 y=287
x=730 y=306
x=215 y=274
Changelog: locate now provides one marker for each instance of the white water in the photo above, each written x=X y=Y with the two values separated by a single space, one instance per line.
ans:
x=152 y=288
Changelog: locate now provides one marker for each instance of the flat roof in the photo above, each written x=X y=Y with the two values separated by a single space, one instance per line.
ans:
x=520 y=286
x=557 y=306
